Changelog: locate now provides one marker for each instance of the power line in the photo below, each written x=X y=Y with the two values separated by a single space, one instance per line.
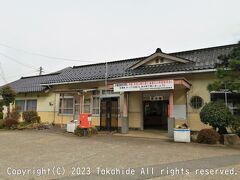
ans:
x=16 y=61
x=21 y=74
x=46 y=56
x=2 y=74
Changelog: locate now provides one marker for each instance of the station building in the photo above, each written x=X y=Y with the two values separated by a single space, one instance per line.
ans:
x=139 y=93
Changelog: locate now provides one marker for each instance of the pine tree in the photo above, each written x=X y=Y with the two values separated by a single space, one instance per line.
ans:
x=228 y=72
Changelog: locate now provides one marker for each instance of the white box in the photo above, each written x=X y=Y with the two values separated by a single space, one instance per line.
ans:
x=71 y=126
x=181 y=135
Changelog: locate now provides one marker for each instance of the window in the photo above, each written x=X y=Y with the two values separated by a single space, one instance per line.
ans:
x=106 y=92
x=31 y=105
x=20 y=105
x=231 y=99
x=196 y=102
x=26 y=105
x=66 y=103
x=96 y=92
x=87 y=105
x=96 y=105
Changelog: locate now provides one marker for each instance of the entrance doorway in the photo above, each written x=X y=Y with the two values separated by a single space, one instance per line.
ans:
x=109 y=114
x=155 y=114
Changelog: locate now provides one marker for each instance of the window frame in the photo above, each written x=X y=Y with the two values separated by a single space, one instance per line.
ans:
x=196 y=106
x=232 y=105
x=96 y=108
x=87 y=104
x=25 y=104
x=67 y=96
x=27 y=100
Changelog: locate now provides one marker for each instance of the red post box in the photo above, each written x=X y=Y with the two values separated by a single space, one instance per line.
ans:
x=85 y=120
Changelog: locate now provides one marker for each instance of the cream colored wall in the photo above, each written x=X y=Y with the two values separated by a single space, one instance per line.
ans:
x=46 y=103
x=47 y=107
x=63 y=119
x=49 y=113
x=179 y=106
x=199 y=88
x=44 y=109
x=179 y=97
x=135 y=110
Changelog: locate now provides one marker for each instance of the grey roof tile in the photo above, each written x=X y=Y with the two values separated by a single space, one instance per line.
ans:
x=200 y=59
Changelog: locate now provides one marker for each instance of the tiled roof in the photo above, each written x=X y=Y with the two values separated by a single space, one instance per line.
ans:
x=33 y=83
x=200 y=59
x=95 y=71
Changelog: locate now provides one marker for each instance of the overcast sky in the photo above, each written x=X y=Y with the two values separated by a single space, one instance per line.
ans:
x=103 y=30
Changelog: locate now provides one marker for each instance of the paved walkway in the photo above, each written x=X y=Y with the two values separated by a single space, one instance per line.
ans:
x=156 y=134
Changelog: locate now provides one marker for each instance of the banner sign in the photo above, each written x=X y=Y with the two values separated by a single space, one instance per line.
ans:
x=144 y=86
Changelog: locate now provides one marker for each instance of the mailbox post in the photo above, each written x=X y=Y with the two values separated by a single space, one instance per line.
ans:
x=85 y=120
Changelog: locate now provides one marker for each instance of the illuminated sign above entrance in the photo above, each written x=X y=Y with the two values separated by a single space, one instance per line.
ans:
x=144 y=86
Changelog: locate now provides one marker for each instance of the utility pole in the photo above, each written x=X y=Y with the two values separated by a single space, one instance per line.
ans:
x=40 y=70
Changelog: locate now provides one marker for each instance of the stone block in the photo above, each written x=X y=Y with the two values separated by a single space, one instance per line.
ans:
x=231 y=139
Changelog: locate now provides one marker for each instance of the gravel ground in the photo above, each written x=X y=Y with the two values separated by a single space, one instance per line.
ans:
x=59 y=155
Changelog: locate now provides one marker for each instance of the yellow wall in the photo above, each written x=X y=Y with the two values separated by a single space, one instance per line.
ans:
x=179 y=97
x=95 y=121
x=179 y=101
x=45 y=105
x=135 y=110
x=48 y=103
x=48 y=107
x=199 y=88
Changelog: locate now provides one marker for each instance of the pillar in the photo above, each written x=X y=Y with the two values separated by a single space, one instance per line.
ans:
x=125 y=123
x=171 y=108
x=171 y=119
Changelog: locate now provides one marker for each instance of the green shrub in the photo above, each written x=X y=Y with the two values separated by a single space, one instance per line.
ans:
x=235 y=125
x=208 y=136
x=31 y=117
x=85 y=132
x=1 y=115
x=11 y=123
x=217 y=115
x=14 y=115
x=22 y=125
x=2 y=124
x=92 y=130
x=1 y=105
x=79 y=131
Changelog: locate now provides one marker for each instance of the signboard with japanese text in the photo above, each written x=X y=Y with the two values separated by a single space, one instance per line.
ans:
x=144 y=86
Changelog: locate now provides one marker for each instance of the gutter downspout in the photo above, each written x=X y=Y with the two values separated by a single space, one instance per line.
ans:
x=62 y=107
x=54 y=109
